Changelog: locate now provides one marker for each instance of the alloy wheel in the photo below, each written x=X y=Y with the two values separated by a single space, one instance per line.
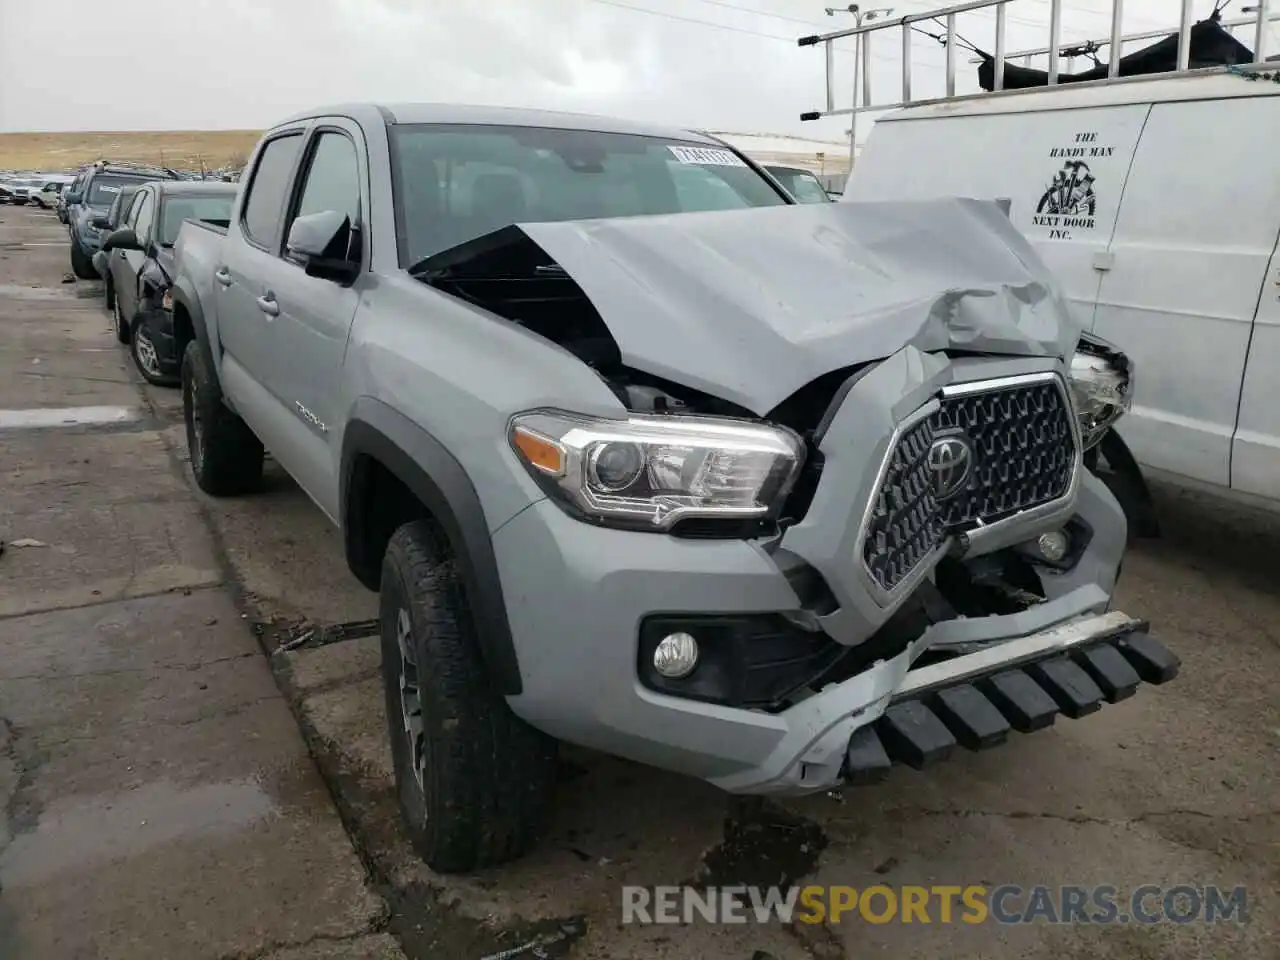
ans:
x=145 y=351
x=411 y=701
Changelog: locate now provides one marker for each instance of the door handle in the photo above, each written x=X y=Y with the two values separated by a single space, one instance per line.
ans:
x=223 y=277
x=267 y=304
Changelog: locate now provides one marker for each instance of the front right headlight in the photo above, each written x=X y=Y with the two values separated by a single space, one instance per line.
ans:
x=1102 y=385
x=650 y=472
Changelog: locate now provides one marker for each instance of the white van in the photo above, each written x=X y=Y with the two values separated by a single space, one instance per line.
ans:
x=1157 y=203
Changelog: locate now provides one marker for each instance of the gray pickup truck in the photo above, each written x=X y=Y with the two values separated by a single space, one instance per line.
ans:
x=644 y=457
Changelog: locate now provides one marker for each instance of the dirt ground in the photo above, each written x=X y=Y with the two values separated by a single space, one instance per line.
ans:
x=134 y=681
x=184 y=149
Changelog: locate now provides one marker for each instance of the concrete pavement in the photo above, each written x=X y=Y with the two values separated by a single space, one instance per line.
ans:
x=160 y=801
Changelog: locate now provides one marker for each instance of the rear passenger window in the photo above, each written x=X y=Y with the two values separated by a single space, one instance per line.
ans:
x=264 y=205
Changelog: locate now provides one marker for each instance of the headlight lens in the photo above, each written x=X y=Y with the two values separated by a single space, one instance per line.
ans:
x=1102 y=383
x=650 y=472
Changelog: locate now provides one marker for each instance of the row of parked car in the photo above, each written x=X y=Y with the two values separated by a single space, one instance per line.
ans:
x=123 y=220
x=38 y=189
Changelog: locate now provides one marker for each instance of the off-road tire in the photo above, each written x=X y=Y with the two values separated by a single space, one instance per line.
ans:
x=81 y=265
x=489 y=777
x=226 y=456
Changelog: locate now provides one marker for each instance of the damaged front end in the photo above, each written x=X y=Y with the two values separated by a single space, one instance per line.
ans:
x=892 y=403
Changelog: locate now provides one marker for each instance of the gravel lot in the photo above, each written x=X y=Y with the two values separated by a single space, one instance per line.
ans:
x=1177 y=785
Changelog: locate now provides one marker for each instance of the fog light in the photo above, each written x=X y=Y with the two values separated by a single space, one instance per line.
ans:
x=1053 y=546
x=675 y=656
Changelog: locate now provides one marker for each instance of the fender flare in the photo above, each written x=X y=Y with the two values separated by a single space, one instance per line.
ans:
x=441 y=484
x=186 y=297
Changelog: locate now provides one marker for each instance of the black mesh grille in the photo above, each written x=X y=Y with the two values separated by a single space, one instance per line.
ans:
x=1023 y=448
x=905 y=525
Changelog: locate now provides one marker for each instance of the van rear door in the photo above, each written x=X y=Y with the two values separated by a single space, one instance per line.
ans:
x=1255 y=452
x=1063 y=171
x=1195 y=234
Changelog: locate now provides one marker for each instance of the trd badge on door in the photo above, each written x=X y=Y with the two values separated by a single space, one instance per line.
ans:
x=310 y=417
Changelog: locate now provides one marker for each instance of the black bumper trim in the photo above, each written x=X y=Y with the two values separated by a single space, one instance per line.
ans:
x=978 y=712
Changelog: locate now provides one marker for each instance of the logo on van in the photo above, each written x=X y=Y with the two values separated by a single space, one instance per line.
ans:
x=1070 y=194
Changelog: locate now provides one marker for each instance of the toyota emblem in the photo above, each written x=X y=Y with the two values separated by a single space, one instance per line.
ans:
x=950 y=462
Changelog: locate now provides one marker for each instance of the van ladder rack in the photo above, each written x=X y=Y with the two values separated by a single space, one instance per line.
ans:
x=1261 y=18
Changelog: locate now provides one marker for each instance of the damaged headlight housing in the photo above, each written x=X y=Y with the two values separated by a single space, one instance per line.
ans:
x=651 y=472
x=1102 y=385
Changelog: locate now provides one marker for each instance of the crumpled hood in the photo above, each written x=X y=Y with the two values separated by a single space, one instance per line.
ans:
x=751 y=305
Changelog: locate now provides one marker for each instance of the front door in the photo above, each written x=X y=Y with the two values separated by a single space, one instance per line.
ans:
x=315 y=315
x=125 y=265
x=1255 y=454
x=1196 y=231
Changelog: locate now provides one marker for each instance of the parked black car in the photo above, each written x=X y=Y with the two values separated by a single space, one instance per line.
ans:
x=139 y=266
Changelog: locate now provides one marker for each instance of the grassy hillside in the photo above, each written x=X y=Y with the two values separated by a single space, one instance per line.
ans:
x=175 y=148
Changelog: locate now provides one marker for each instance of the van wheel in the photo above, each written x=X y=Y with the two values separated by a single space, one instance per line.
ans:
x=226 y=456
x=81 y=265
x=474 y=781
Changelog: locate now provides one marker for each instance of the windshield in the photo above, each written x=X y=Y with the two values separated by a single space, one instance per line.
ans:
x=801 y=184
x=103 y=190
x=176 y=209
x=458 y=182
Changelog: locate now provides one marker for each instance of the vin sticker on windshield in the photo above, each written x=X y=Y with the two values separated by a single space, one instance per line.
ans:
x=706 y=156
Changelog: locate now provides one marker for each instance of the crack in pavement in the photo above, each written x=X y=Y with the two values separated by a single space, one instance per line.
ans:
x=100 y=601
x=375 y=926
x=124 y=671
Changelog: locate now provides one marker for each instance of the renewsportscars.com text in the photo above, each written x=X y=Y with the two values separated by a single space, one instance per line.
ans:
x=973 y=904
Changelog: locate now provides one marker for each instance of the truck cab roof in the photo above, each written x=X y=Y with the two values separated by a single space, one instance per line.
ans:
x=449 y=113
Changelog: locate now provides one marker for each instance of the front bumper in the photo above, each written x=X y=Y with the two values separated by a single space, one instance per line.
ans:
x=578 y=613
x=975 y=700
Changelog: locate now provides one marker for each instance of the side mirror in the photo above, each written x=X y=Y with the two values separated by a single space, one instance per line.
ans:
x=323 y=243
x=122 y=239
x=74 y=198
x=100 y=223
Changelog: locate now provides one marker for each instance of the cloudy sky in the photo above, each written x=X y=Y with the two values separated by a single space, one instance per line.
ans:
x=722 y=64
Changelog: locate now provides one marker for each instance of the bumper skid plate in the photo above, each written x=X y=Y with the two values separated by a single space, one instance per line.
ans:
x=928 y=723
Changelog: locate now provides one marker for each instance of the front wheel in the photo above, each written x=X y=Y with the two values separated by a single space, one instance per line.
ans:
x=474 y=781
x=146 y=357
x=226 y=456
